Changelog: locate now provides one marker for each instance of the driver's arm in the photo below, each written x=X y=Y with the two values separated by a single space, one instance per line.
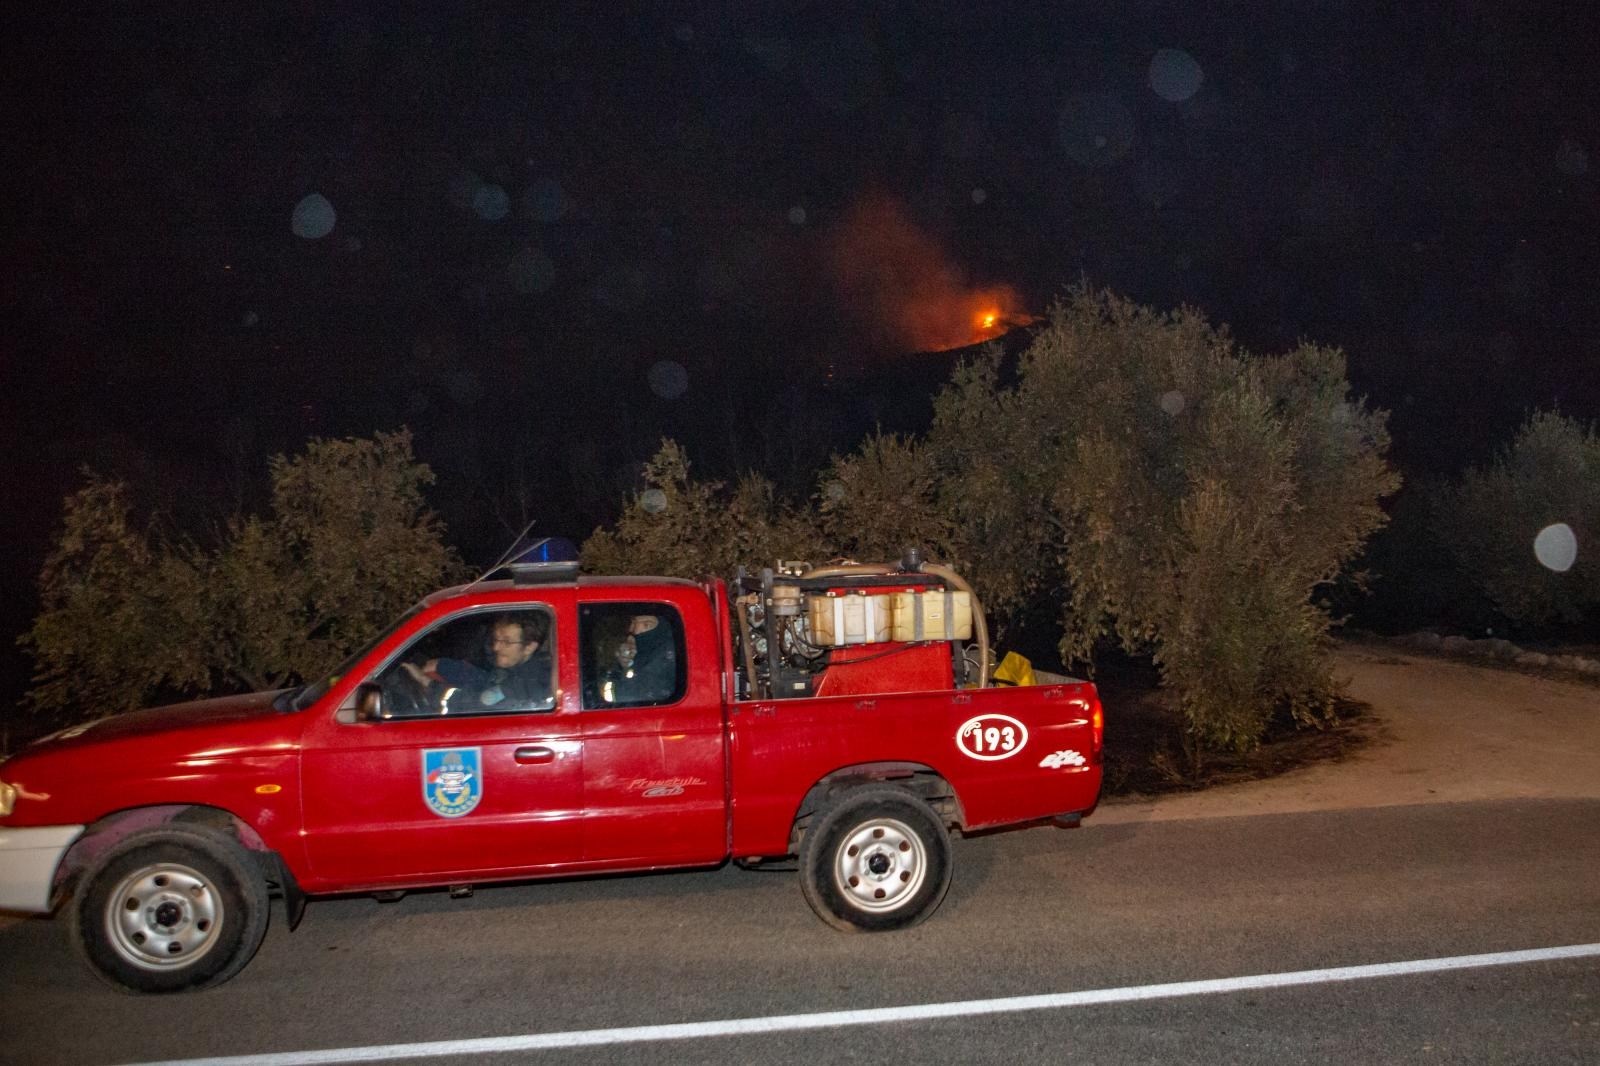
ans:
x=457 y=673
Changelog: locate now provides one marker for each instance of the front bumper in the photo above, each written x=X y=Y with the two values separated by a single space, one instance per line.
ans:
x=28 y=862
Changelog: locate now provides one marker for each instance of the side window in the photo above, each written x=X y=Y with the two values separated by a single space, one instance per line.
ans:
x=485 y=662
x=632 y=655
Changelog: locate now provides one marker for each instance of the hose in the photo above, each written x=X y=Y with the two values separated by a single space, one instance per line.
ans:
x=747 y=643
x=851 y=570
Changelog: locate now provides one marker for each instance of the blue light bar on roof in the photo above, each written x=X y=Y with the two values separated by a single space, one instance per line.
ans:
x=547 y=550
x=550 y=573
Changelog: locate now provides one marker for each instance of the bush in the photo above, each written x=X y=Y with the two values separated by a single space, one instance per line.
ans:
x=683 y=527
x=1187 y=498
x=1492 y=518
x=131 y=614
x=118 y=611
x=1176 y=493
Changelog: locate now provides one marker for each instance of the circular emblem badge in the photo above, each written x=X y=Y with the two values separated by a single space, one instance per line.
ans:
x=991 y=737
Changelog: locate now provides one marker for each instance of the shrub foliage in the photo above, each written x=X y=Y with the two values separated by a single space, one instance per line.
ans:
x=1491 y=520
x=130 y=614
x=1161 y=486
x=1187 y=497
x=1177 y=493
x=684 y=527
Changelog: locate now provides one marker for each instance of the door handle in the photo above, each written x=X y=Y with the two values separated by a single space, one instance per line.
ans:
x=534 y=754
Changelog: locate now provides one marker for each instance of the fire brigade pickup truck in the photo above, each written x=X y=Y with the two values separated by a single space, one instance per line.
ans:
x=548 y=723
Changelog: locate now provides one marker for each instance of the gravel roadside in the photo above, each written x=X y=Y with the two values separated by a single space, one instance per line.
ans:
x=1447 y=732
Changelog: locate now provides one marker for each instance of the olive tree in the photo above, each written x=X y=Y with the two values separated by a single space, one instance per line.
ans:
x=1169 y=489
x=1186 y=497
x=888 y=494
x=679 y=525
x=1521 y=528
x=116 y=603
x=130 y=612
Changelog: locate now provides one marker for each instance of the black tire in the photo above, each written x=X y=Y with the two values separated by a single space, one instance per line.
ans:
x=170 y=909
x=876 y=858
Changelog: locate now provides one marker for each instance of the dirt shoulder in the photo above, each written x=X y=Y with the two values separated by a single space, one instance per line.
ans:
x=1438 y=731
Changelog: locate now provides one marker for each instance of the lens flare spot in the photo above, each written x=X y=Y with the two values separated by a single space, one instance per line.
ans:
x=1175 y=76
x=1572 y=159
x=653 y=500
x=464 y=388
x=668 y=379
x=490 y=202
x=530 y=271
x=463 y=189
x=1556 y=547
x=313 y=217
x=1095 y=129
x=545 y=201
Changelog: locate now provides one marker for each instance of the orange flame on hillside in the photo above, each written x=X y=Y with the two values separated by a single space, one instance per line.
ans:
x=905 y=284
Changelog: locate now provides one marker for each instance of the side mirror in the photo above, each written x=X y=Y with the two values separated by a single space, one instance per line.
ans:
x=369 y=702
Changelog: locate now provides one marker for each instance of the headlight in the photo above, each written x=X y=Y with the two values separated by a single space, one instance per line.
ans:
x=8 y=798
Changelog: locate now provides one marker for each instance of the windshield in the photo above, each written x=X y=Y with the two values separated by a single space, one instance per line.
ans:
x=300 y=699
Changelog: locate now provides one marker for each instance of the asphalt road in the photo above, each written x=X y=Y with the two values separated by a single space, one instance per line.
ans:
x=1038 y=911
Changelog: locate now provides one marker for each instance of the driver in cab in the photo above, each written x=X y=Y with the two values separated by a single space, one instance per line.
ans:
x=519 y=678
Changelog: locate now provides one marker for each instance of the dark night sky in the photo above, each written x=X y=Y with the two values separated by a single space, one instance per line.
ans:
x=561 y=231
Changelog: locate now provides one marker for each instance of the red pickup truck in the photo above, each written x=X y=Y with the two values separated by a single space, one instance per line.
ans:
x=552 y=724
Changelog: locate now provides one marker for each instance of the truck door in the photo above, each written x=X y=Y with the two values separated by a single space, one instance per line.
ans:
x=653 y=767
x=475 y=770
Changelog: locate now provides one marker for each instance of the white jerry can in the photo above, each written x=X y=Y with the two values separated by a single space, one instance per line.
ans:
x=851 y=618
x=937 y=614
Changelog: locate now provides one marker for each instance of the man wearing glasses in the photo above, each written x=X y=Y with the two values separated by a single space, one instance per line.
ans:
x=518 y=679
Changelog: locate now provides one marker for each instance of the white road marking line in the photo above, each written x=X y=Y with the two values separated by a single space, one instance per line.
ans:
x=640 y=1034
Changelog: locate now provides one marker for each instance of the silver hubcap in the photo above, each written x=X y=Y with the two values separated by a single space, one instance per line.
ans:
x=880 y=865
x=163 y=917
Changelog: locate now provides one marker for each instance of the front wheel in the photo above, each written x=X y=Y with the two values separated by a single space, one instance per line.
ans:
x=171 y=909
x=876 y=859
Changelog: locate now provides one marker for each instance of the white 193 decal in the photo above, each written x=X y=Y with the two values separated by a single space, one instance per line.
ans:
x=991 y=736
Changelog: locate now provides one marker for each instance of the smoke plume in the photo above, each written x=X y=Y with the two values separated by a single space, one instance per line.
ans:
x=904 y=284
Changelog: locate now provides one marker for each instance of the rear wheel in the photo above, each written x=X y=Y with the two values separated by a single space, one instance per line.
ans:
x=171 y=909
x=876 y=859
